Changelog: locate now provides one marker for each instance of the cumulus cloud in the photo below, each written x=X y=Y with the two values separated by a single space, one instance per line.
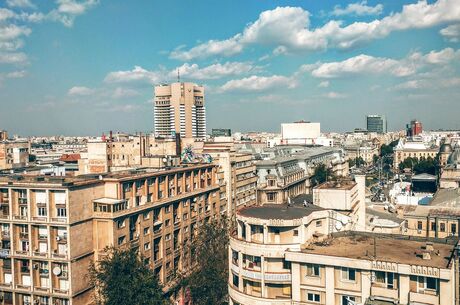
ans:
x=80 y=91
x=20 y=3
x=324 y=84
x=12 y=31
x=16 y=74
x=13 y=58
x=334 y=95
x=215 y=71
x=259 y=83
x=290 y=28
x=365 y=64
x=68 y=10
x=358 y=9
x=138 y=74
x=451 y=33
x=120 y=93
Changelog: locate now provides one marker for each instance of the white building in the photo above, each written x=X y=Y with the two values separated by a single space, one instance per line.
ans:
x=300 y=132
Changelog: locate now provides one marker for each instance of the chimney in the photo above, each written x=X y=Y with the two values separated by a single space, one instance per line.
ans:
x=426 y=255
x=429 y=246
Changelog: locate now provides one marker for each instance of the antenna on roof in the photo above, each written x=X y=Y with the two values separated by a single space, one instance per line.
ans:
x=178 y=75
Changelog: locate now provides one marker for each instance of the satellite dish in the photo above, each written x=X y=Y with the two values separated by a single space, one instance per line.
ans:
x=344 y=221
x=338 y=225
x=57 y=270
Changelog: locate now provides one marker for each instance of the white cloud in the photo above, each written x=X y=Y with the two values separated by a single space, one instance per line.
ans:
x=290 y=27
x=259 y=83
x=214 y=71
x=16 y=74
x=324 y=84
x=12 y=31
x=334 y=95
x=11 y=45
x=68 y=10
x=120 y=93
x=451 y=33
x=365 y=64
x=6 y=14
x=80 y=91
x=20 y=3
x=13 y=58
x=412 y=84
x=358 y=9
x=138 y=74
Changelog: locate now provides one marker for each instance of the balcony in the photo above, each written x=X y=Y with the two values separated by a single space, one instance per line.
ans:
x=59 y=219
x=41 y=289
x=39 y=218
x=23 y=235
x=384 y=292
x=59 y=255
x=20 y=217
x=278 y=277
x=41 y=254
x=22 y=201
x=424 y=298
x=60 y=291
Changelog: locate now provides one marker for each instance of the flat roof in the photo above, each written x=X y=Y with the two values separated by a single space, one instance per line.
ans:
x=279 y=211
x=396 y=248
x=337 y=185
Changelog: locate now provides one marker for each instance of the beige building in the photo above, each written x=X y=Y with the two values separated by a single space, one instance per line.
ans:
x=14 y=154
x=53 y=228
x=180 y=108
x=450 y=170
x=413 y=149
x=238 y=173
x=295 y=256
x=120 y=153
x=365 y=151
x=346 y=196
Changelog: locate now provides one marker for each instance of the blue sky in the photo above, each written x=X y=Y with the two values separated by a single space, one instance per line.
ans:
x=85 y=67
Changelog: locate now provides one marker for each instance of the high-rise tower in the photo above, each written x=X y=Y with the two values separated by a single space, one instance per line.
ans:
x=179 y=108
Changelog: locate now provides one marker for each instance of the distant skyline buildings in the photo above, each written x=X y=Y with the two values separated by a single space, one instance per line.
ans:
x=376 y=123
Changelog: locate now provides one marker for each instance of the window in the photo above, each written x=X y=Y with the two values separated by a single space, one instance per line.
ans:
x=384 y=279
x=296 y=232
x=61 y=212
x=168 y=237
x=146 y=215
x=41 y=211
x=286 y=265
x=146 y=231
x=442 y=227
x=453 y=228
x=419 y=225
x=312 y=270
x=121 y=240
x=121 y=224
x=235 y=280
x=168 y=209
x=271 y=196
x=319 y=223
x=348 y=300
x=167 y=222
x=147 y=246
x=433 y=226
x=431 y=283
x=348 y=274
x=313 y=297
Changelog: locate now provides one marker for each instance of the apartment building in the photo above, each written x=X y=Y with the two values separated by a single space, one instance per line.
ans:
x=180 y=108
x=52 y=228
x=259 y=272
x=14 y=154
x=284 y=255
x=238 y=173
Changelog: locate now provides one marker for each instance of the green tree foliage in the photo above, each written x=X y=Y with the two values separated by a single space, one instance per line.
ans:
x=357 y=161
x=209 y=279
x=428 y=165
x=386 y=150
x=322 y=174
x=122 y=278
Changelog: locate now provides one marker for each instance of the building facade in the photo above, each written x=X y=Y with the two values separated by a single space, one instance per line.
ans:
x=376 y=123
x=413 y=149
x=14 y=154
x=54 y=227
x=180 y=108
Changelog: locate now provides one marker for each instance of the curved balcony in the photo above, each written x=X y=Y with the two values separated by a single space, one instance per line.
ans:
x=245 y=299
x=267 y=250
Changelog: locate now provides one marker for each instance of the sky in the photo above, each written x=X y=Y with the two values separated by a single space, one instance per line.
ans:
x=71 y=67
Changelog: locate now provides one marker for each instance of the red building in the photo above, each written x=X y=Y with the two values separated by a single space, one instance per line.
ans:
x=414 y=128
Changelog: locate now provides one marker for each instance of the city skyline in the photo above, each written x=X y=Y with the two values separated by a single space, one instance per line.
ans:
x=64 y=65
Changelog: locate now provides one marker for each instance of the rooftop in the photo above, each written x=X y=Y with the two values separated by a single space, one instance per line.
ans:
x=337 y=185
x=279 y=211
x=390 y=248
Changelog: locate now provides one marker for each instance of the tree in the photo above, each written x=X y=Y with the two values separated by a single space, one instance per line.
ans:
x=428 y=165
x=122 y=278
x=208 y=281
x=359 y=161
x=322 y=174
